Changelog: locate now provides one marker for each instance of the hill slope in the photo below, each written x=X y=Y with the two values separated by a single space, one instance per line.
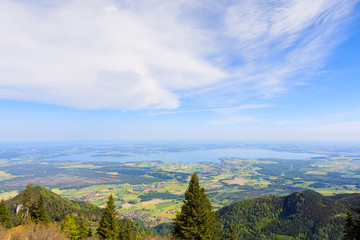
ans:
x=300 y=215
x=57 y=207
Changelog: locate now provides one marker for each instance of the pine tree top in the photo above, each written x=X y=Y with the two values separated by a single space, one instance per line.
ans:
x=196 y=220
x=107 y=226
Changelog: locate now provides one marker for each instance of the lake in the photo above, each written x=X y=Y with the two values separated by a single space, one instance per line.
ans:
x=211 y=155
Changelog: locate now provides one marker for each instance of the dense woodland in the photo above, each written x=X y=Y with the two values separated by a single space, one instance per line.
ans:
x=300 y=215
x=37 y=213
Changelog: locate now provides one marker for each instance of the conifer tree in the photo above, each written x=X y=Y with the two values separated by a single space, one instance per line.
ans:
x=349 y=227
x=4 y=215
x=125 y=230
x=39 y=213
x=107 y=227
x=84 y=231
x=231 y=235
x=357 y=223
x=27 y=201
x=90 y=232
x=196 y=220
x=129 y=231
x=352 y=226
x=73 y=229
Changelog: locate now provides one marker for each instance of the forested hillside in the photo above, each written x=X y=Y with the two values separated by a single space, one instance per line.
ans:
x=57 y=207
x=300 y=215
x=60 y=218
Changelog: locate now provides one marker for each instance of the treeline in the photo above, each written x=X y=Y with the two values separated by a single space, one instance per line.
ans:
x=161 y=195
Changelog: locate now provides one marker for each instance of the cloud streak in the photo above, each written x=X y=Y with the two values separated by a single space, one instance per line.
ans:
x=224 y=109
x=281 y=42
x=342 y=114
x=107 y=54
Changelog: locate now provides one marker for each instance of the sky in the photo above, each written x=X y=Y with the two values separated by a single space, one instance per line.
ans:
x=285 y=70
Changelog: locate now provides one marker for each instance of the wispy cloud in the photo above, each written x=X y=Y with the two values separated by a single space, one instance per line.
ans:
x=243 y=107
x=342 y=114
x=148 y=54
x=282 y=123
x=278 y=43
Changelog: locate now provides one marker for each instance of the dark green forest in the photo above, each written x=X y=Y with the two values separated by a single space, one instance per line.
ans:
x=300 y=215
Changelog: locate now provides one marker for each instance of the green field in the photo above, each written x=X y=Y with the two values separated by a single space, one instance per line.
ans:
x=153 y=191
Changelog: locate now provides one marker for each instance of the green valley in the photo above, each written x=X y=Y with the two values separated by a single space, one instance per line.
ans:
x=152 y=191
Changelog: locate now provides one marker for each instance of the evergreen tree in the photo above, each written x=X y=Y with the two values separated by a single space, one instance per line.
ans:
x=90 y=232
x=349 y=227
x=39 y=214
x=196 y=220
x=352 y=226
x=84 y=231
x=129 y=231
x=108 y=227
x=357 y=223
x=73 y=229
x=4 y=215
x=125 y=230
x=231 y=235
x=27 y=201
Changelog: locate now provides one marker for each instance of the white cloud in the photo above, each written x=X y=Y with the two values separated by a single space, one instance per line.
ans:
x=95 y=54
x=224 y=109
x=149 y=54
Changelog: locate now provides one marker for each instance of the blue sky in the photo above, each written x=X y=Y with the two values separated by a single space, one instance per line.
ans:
x=141 y=70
